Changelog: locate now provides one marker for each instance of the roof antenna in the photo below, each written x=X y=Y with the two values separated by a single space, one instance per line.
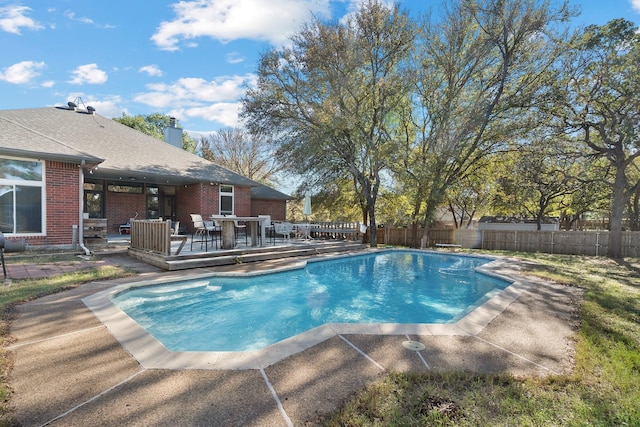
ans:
x=79 y=101
x=73 y=105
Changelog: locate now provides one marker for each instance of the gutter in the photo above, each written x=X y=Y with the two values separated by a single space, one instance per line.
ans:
x=87 y=252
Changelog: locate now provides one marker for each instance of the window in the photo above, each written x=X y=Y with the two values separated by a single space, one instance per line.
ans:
x=125 y=188
x=93 y=199
x=153 y=202
x=21 y=196
x=226 y=200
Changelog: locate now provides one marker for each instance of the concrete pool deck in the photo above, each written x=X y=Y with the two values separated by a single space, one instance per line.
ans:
x=68 y=369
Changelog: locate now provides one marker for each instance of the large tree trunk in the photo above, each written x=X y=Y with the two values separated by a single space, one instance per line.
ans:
x=617 y=211
x=373 y=237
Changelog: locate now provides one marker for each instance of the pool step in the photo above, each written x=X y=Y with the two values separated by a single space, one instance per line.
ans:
x=245 y=255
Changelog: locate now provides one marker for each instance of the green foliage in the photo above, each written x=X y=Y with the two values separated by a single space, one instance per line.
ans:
x=412 y=111
x=154 y=125
x=331 y=99
x=596 y=99
x=476 y=69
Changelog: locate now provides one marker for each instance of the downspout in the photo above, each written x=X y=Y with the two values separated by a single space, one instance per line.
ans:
x=87 y=252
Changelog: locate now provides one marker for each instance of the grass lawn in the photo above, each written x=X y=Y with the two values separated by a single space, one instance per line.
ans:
x=19 y=291
x=603 y=390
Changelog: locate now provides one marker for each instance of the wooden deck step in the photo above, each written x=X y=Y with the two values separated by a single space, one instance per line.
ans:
x=242 y=256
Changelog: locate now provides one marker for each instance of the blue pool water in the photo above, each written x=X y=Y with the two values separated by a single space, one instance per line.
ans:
x=242 y=314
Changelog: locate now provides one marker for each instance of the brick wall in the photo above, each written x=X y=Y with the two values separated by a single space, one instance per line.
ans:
x=62 y=195
x=204 y=198
x=276 y=208
x=121 y=207
x=242 y=201
x=201 y=198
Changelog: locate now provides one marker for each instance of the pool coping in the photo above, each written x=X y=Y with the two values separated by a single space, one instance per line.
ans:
x=152 y=354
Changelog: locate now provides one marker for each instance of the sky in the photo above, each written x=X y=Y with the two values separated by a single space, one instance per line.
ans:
x=190 y=59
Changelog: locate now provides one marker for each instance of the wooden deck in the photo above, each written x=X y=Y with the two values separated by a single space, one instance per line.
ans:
x=152 y=242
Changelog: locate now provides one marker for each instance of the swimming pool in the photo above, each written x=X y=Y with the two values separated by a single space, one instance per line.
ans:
x=249 y=313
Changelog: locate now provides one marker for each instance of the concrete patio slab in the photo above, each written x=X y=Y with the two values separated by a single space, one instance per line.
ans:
x=315 y=382
x=182 y=398
x=53 y=376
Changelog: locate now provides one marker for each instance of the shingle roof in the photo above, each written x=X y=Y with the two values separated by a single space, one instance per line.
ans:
x=18 y=139
x=62 y=134
x=263 y=192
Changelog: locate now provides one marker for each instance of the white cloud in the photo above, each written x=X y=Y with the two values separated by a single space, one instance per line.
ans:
x=215 y=100
x=48 y=83
x=22 y=72
x=225 y=113
x=89 y=74
x=151 y=70
x=13 y=18
x=193 y=91
x=635 y=4
x=85 y=20
x=235 y=58
x=72 y=17
x=226 y=20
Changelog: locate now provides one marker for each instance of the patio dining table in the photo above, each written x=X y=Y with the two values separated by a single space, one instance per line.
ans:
x=228 y=229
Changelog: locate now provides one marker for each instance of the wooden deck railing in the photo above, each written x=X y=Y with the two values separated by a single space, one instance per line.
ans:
x=153 y=236
x=336 y=230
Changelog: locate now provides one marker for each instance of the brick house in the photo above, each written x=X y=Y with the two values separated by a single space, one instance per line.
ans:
x=60 y=165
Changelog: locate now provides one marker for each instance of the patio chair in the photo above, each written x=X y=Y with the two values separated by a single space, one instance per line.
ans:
x=215 y=229
x=268 y=227
x=202 y=231
x=284 y=229
x=239 y=227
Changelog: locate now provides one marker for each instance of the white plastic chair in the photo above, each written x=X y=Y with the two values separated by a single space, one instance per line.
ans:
x=284 y=229
x=268 y=226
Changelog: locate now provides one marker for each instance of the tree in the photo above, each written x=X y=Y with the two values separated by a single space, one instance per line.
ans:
x=476 y=70
x=236 y=150
x=544 y=175
x=154 y=125
x=472 y=194
x=330 y=99
x=598 y=102
x=633 y=198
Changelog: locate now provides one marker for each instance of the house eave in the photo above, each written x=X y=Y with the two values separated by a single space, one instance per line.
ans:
x=89 y=161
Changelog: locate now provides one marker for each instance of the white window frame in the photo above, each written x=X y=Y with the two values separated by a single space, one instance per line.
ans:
x=25 y=183
x=226 y=194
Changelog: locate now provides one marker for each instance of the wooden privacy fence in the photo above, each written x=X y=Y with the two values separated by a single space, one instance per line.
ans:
x=403 y=236
x=154 y=236
x=593 y=243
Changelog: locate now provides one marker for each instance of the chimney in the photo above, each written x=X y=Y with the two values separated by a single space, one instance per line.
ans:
x=173 y=134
